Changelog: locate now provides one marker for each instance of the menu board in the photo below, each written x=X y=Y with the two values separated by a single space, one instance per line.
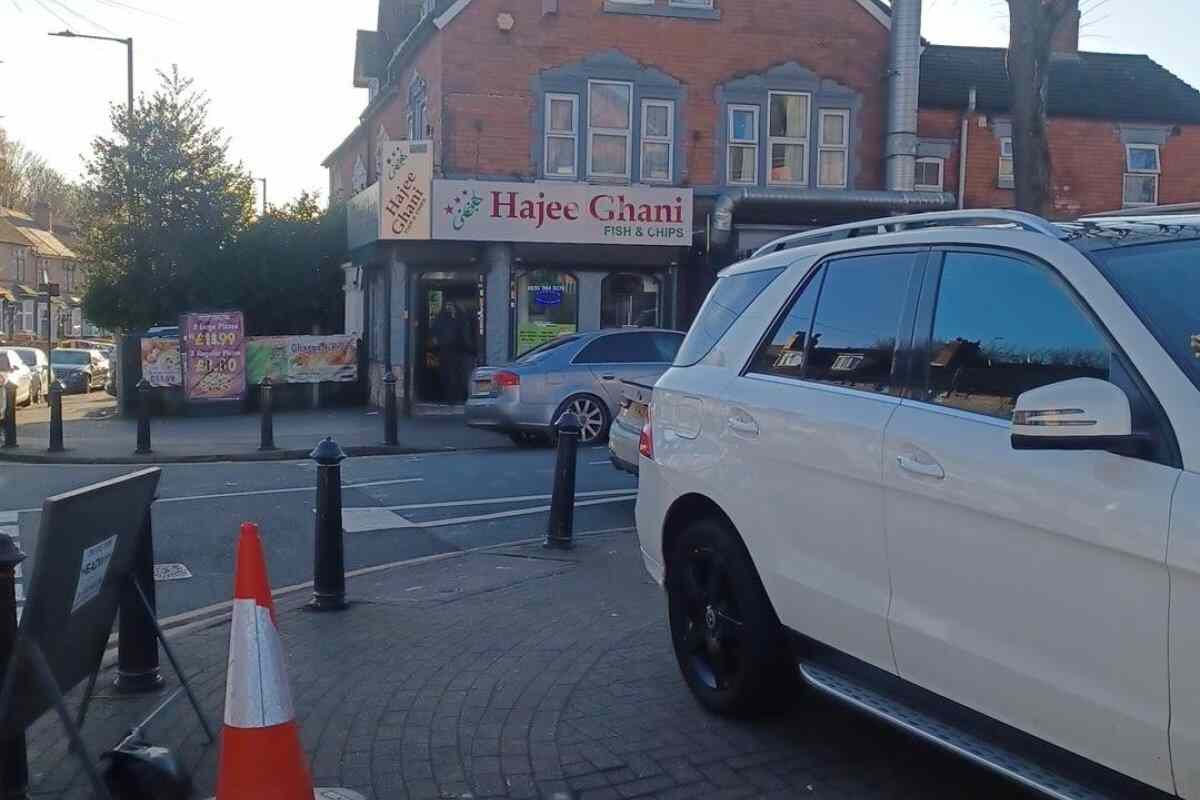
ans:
x=214 y=355
x=160 y=362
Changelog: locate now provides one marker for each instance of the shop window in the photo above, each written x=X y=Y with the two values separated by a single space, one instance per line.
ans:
x=547 y=307
x=562 y=135
x=629 y=301
x=788 y=138
x=610 y=121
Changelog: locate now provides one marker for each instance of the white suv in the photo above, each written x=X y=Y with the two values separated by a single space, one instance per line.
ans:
x=948 y=464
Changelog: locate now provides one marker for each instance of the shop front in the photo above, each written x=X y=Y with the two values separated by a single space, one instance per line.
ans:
x=504 y=267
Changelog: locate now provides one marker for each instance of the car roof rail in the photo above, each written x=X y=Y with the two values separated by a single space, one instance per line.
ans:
x=932 y=219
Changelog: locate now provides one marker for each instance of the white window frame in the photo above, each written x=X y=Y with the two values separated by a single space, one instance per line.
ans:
x=804 y=141
x=691 y=3
x=668 y=140
x=626 y=132
x=1002 y=180
x=26 y=317
x=548 y=134
x=843 y=148
x=731 y=142
x=1130 y=172
x=941 y=167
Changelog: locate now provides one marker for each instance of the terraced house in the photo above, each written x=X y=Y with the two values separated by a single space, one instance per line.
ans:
x=545 y=166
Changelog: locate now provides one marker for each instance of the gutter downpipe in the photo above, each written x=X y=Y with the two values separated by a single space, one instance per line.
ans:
x=962 y=150
x=904 y=71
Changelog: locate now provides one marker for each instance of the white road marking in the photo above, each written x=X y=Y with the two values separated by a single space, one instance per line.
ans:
x=258 y=492
x=364 y=520
x=10 y=517
x=519 y=512
x=606 y=462
x=367 y=520
x=487 y=501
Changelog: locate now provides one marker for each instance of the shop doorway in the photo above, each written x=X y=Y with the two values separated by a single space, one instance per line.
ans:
x=449 y=340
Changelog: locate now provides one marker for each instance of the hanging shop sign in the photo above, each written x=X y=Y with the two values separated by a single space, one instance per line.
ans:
x=214 y=355
x=561 y=212
x=395 y=207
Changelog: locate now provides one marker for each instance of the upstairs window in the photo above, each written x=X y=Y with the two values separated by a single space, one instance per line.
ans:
x=788 y=138
x=930 y=175
x=1005 y=172
x=562 y=135
x=833 y=149
x=692 y=3
x=658 y=137
x=1141 y=176
x=610 y=119
x=742 y=159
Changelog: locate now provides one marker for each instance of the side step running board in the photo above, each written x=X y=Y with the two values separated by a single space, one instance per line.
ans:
x=922 y=720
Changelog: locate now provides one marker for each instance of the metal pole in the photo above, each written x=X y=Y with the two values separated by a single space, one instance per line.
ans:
x=56 y=422
x=329 y=573
x=266 y=436
x=143 y=428
x=10 y=414
x=391 y=436
x=562 y=504
x=14 y=764
x=137 y=644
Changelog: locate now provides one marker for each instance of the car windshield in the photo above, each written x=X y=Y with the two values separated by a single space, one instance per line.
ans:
x=72 y=357
x=1161 y=282
x=539 y=352
x=27 y=356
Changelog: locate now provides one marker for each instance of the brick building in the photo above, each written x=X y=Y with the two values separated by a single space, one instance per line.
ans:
x=755 y=118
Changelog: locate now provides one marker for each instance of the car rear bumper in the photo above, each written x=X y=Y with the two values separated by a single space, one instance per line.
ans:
x=623 y=447
x=652 y=503
x=506 y=412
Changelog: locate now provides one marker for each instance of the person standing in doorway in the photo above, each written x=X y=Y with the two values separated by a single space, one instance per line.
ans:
x=448 y=335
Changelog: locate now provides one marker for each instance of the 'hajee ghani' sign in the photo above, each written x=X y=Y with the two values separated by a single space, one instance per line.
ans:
x=404 y=179
x=561 y=212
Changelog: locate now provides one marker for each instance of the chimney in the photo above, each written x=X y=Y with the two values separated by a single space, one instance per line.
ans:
x=904 y=68
x=43 y=216
x=1065 y=41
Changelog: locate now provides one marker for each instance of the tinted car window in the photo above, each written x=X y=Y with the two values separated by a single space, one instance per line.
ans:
x=529 y=356
x=666 y=346
x=75 y=357
x=1003 y=326
x=620 y=348
x=727 y=300
x=784 y=352
x=853 y=339
x=5 y=362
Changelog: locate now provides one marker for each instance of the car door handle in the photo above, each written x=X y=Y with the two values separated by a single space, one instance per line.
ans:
x=743 y=424
x=930 y=470
x=608 y=377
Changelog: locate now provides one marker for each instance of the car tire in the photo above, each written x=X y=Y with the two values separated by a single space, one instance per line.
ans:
x=728 y=641
x=593 y=417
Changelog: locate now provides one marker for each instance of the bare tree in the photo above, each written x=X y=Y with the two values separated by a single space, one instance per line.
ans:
x=1032 y=24
x=26 y=179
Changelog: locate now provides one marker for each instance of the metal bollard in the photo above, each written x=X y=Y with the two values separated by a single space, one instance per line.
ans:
x=329 y=574
x=137 y=642
x=56 y=426
x=143 y=430
x=10 y=415
x=390 y=434
x=14 y=764
x=562 y=506
x=266 y=436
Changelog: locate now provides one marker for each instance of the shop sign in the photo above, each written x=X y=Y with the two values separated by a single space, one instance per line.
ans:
x=362 y=217
x=214 y=355
x=302 y=359
x=564 y=213
x=405 y=174
x=547 y=295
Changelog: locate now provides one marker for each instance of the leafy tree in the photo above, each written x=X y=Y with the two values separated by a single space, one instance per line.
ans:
x=155 y=257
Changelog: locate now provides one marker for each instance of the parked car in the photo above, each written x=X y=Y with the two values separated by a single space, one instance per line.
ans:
x=624 y=437
x=14 y=371
x=35 y=359
x=79 y=370
x=580 y=373
x=950 y=476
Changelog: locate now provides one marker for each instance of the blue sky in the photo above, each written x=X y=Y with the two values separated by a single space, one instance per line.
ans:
x=278 y=73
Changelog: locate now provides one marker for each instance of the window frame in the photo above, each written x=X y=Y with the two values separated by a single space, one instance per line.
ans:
x=804 y=141
x=548 y=134
x=592 y=132
x=1006 y=181
x=731 y=142
x=646 y=138
x=690 y=3
x=941 y=165
x=843 y=148
x=1130 y=172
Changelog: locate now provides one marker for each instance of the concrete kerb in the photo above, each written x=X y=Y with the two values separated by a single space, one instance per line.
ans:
x=43 y=457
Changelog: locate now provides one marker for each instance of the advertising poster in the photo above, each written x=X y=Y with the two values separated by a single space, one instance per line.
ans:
x=533 y=334
x=302 y=359
x=160 y=362
x=214 y=355
x=267 y=357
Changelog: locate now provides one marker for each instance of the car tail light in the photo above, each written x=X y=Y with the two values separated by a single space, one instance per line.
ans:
x=646 y=442
x=504 y=379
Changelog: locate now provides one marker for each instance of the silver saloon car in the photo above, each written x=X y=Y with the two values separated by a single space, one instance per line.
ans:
x=581 y=373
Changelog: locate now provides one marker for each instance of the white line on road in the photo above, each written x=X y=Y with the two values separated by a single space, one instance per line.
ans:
x=519 y=512
x=256 y=492
x=606 y=462
x=487 y=501
x=371 y=519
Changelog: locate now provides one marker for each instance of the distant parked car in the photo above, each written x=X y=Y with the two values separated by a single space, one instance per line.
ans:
x=35 y=359
x=80 y=370
x=624 y=437
x=581 y=373
x=14 y=371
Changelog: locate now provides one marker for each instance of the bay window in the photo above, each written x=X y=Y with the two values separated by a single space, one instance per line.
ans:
x=610 y=120
x=833 y=149
x=787 y=139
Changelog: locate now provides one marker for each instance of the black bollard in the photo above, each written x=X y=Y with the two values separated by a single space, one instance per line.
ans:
x=14 y=764
x=266 y=436
x=391 y=436
x=137 y=642
x=562 y=506
x=329 y=574
x=56 y=426
x=143 y=430
x=10 y=415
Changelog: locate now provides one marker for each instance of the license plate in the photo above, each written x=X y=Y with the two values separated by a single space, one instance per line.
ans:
x=483 y=387
x=636 y=410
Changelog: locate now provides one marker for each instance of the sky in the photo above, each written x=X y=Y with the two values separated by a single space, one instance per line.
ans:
x=278 y=74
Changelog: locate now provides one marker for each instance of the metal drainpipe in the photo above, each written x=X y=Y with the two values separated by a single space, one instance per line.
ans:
x=962 y=150
x=904 y=69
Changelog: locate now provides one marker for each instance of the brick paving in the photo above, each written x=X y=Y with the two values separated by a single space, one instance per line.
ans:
x=521 y=675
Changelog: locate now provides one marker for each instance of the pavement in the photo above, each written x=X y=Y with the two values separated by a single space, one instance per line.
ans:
x=515 y=672
x=93 y=433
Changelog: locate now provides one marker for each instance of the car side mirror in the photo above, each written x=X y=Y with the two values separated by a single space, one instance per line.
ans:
x=1079 y=414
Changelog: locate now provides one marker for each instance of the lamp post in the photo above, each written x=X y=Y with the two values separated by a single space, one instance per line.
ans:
x=263 y=181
